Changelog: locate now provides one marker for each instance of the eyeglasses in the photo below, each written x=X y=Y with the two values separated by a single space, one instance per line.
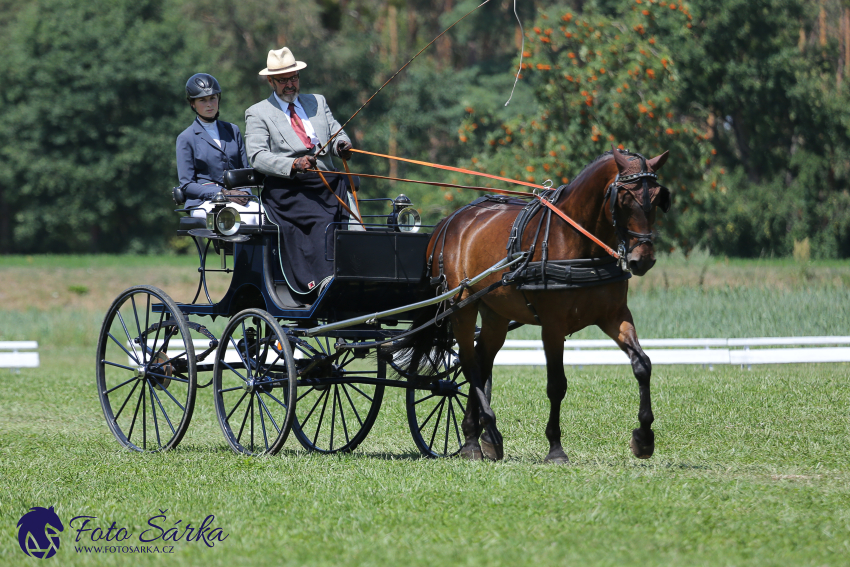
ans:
x=286 y=81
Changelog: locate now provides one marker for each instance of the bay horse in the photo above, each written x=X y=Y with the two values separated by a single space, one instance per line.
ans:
x=615 y=198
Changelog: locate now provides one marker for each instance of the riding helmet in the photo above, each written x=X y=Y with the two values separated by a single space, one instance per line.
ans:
x=200 y=85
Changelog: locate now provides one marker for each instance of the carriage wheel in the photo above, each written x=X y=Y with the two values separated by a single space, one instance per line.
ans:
x=336 y=406
x=146 y=375
x=253 y=379
x=434 y=413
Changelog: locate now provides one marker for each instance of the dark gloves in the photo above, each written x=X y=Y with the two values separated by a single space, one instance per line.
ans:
x=303 y=163
x=343 y=149
x=236 y=197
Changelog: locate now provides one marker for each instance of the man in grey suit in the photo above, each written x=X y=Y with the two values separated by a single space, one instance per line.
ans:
x=283 y=136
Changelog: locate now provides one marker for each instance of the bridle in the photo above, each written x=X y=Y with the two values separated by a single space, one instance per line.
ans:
x=623 y=233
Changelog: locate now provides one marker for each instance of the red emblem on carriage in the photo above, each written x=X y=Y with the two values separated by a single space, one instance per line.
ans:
x=311 y=285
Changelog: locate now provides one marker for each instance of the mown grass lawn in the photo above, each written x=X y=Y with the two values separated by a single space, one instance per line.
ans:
x=750 y=466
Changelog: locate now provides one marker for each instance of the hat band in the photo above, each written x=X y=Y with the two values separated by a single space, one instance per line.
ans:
x=284 y=68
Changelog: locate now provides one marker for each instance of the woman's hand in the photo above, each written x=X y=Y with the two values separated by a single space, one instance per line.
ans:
x=236 y=197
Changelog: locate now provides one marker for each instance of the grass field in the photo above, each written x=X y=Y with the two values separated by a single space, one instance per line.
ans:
x=750 y=467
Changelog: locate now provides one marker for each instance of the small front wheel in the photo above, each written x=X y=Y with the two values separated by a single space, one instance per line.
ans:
x=146 y=375
x=253 y=384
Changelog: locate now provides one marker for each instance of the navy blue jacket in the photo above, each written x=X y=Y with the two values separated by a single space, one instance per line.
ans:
x=200 y=161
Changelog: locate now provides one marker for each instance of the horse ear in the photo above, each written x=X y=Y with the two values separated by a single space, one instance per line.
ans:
x=655 y=163
x=622 y=161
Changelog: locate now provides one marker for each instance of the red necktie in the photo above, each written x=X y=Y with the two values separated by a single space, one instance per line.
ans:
x=298 y=126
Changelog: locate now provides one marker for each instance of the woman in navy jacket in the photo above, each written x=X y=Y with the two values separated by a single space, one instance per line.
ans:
x=208 y=148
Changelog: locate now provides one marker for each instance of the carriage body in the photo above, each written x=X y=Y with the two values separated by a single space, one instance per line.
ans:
x=272 y=369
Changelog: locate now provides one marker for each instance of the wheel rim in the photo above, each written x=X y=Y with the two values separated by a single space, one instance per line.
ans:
x=253 y=380
x=336 y=406
x=146 y=373
x=434 y=413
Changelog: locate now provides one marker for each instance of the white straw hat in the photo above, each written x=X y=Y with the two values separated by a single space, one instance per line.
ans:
x=281 y=61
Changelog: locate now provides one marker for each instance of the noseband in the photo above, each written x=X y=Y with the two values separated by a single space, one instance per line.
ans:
x=613 y=190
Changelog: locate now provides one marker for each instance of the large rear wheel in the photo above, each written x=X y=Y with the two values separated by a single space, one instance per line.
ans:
x=146 y=375
x=339 y=395
x=435 y=412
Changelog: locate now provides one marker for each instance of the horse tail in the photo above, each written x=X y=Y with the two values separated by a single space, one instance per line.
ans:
x=425 y=352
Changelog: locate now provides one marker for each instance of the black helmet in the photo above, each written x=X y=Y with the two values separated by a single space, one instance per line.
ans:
x=200 y=85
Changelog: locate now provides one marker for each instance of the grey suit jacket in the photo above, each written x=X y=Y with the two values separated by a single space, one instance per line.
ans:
x=273 y=145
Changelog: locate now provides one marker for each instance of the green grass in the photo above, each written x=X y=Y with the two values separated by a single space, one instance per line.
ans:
x=750 y=466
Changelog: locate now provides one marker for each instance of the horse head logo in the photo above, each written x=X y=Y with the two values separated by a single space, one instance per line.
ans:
x=38 y=532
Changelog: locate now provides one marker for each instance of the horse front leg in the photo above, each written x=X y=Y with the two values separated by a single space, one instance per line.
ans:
x=556 y=389
x=479 y=415
x=622 y=330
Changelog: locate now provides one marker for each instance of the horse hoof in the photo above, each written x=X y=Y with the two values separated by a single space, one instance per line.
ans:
x=642 y=444
x=489 y=450
x=557 y=458
x=471 y=454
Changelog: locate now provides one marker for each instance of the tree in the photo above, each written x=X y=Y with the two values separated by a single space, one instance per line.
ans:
x=91 y=104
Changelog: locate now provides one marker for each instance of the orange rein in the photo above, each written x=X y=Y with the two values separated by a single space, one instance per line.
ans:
x=556 y=210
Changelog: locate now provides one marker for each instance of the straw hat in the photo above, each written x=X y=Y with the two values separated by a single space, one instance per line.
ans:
x=281 y=61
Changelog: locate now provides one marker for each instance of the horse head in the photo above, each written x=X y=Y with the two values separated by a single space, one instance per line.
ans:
x=633 y=198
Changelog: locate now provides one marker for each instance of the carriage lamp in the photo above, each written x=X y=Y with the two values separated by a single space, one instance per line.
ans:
x=223 y=219
x=404 y=217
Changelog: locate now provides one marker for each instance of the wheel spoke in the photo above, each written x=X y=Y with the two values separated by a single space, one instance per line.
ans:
x=153 y=412
x=234 y=371
x=262 y=403
x=129 y=340
x=138 y=326
x=247 y=358
x=231 y=389
x=144 y=421
x=428 y=397
x=252 y=421
x=424 y=423
x=454 y=419
x=173 y=399
x=321 y=417
x=236 y=406
x=262 y=423
x=244 y=418
x=342 y=417
x=361 y=392
x=162 y=409
x=154 y=350
x=333 y=415
x=347 y=395
x=135 y=414
x=124 y=383
x=275 y=399
x=269 y=367
x=127 y=399
x=437 y=422
x=319 y=399
x=132 y=356
x=245 y=362
x=298 y=399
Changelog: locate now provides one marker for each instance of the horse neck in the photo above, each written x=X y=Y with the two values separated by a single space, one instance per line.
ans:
x=584 y=202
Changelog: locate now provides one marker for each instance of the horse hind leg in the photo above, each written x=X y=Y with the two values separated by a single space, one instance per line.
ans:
x=479 y=415
x=494 y=330
x=622 y=330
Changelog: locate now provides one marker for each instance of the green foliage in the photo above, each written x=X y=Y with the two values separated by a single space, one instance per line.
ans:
x=92 y=102
x=750 y=97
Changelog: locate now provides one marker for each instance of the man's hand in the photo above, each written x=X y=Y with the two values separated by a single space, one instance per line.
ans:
x=236 y=197
x=304 y=163
x=343 y=149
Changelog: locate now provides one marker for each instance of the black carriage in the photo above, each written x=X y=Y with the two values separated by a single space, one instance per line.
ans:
x=281 y=363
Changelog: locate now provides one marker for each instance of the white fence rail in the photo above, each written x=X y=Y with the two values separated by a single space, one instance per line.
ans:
x=17 y=355
x=685 y=351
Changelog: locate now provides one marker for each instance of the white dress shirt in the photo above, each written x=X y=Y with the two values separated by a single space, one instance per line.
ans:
x=299 y=110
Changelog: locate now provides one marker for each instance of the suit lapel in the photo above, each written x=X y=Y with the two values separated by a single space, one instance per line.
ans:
x=202 y=132
x=283 y=126
x=319 y=123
